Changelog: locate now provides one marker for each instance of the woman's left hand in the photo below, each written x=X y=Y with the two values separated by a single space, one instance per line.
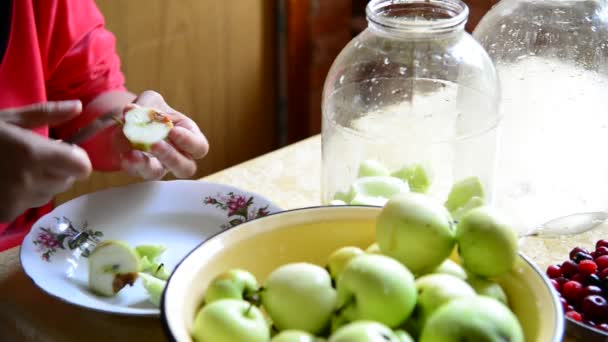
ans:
x=178 y=154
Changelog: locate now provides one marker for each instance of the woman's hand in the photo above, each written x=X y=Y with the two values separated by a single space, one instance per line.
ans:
x=33 y=169
x=177 y=155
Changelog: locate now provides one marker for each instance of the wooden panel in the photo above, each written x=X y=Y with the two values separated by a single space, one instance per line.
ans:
x=213 y=60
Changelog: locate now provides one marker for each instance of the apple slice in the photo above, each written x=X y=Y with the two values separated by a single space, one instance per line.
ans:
x=112 y=266
x=152 y=252
x=376 y=190
x=153 y=286
x=462 y=192
x=371 y=168
x=144 y=127
x=474 y=202
x=415 y=176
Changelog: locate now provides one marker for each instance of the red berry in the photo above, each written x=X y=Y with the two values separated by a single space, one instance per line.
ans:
x=569 y=268
x=603 y=326
x=587 y=267
x=601 y=251
x=592 y=290
x=604 y=273
x=593 y=254
x=579 y=278
x=569 y=308
x=594 y=307
x=554 y=271
x=602 y=262
x=572 y=291
x=577 y=250
x=556 y=285
x=574 y=315
x=561 y=281
x=601 y=243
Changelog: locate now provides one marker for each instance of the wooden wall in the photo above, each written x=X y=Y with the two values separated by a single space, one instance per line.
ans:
x=214 y=60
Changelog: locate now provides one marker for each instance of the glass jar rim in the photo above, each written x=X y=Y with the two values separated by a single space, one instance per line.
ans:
x=439 y=15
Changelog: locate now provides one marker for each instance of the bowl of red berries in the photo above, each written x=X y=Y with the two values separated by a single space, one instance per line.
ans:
x=582 y=284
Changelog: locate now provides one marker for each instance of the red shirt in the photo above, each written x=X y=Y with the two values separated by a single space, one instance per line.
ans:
x=57 y=50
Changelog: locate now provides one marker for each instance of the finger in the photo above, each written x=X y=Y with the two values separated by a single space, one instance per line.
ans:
x=140 y=165
x=150 y=98
x=40 y=114
x=177 y=163
x=194 y=144
x=52 y=183
x=65 y=159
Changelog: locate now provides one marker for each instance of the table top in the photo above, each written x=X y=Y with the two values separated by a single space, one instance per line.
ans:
x=289 y=176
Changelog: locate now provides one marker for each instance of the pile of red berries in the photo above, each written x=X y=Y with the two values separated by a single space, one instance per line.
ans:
x=582 y=282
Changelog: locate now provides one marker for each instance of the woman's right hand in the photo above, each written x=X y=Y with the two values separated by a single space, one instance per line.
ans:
x=33 y=169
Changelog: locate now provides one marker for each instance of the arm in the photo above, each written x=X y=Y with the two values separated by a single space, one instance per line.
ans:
x=89 y=69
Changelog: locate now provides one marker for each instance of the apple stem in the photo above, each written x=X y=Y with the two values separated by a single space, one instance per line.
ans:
x=248 y=309
x=341 y=308
x=118 y=121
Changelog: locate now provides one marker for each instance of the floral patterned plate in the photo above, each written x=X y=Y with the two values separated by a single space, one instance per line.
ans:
x=177 y=214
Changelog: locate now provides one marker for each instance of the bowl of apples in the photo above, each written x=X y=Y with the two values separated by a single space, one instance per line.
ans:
x=404 y=271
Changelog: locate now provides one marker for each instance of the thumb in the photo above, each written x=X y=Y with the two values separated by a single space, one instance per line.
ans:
x=41 y=114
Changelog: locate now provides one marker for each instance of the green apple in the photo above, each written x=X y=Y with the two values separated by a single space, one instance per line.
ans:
x=230 y=320
x=415 y=176
x=488 y=288
x=451 y=267
x=376 y=287
x=487 y=243
x=416 y=230
x=295 y=336
x=364 y=331
x=154 y=286
x=338 y=260
x=475 y=318
x=373 y=249
x=299 y=296
x=403 y=336
x=371 y=168
x=112 y=266
x=232 y=284
x=376 y=190
x=434 y=290
x=144 y=127
x=151 y=252
x=462 y=192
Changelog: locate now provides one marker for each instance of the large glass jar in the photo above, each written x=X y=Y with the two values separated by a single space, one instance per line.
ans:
x=551 y=59
x=414 y=89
